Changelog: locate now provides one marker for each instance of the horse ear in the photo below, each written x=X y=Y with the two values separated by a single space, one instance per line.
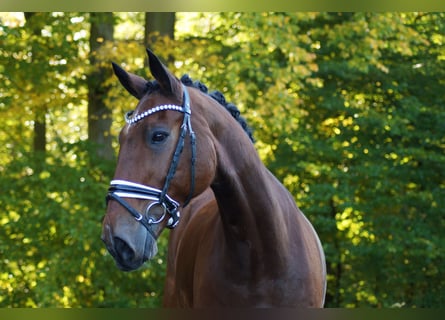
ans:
x=134 y=84
x=168 y=82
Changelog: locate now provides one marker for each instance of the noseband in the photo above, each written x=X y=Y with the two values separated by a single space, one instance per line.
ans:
x=120 y=189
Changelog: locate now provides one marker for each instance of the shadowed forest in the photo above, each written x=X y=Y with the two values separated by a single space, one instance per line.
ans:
x=348 y=111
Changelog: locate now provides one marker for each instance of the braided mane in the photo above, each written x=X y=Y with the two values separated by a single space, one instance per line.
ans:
x=215 y=95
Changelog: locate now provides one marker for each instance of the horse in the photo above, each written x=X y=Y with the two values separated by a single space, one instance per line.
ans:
x=240 y=239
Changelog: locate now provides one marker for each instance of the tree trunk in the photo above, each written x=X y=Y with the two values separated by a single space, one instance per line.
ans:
x=40 y=134
x=158 y=24
x=39 y=140
x=99 y=116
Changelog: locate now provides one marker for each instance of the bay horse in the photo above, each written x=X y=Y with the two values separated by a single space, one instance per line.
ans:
x=240 y=240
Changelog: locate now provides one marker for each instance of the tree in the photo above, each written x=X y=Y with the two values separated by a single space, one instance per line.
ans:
x=158 y=24
x=38 y=44
x=356 y=161
x=347 y=110
x=99 y=114
x=344 y=121
x=35 y=25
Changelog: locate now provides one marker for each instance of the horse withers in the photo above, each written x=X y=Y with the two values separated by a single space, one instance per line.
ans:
x=237 y=237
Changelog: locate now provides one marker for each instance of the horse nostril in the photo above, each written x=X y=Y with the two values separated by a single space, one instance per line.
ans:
x=123 y=250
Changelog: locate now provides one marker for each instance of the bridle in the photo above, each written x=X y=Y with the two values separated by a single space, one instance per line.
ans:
x=120 y=189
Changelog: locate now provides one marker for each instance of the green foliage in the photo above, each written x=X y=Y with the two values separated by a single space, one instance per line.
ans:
x=50 y=249
x=348 y=111
x=383 y=139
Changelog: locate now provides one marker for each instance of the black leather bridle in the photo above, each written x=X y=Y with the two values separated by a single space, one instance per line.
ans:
x=120 y=189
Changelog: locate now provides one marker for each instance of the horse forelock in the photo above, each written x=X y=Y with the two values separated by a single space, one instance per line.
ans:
x=218 y=96
x=151 y=86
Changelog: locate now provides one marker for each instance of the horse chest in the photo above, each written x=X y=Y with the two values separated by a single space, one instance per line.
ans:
x=208 y=273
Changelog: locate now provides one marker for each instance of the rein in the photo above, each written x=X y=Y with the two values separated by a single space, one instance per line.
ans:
x=120 y=189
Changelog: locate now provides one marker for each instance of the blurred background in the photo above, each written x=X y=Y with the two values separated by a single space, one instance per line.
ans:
x=348 y=111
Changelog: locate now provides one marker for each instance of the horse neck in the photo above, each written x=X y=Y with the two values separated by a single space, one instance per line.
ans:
x=253 y=204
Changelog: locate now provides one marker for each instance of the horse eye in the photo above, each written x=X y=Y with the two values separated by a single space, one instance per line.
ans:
x=158 y=137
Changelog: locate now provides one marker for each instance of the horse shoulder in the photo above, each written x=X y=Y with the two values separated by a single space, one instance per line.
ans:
x=186 y=247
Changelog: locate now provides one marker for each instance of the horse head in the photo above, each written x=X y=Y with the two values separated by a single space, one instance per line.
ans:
x=160 y=164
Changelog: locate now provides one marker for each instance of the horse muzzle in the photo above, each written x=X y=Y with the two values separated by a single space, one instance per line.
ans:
x=129 y=250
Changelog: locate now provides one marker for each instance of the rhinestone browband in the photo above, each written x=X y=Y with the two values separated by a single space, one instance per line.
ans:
x=131 y=120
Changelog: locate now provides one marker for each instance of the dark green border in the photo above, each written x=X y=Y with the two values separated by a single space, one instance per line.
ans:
x=219 y=5
x=222 y=5
x=232 y=314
